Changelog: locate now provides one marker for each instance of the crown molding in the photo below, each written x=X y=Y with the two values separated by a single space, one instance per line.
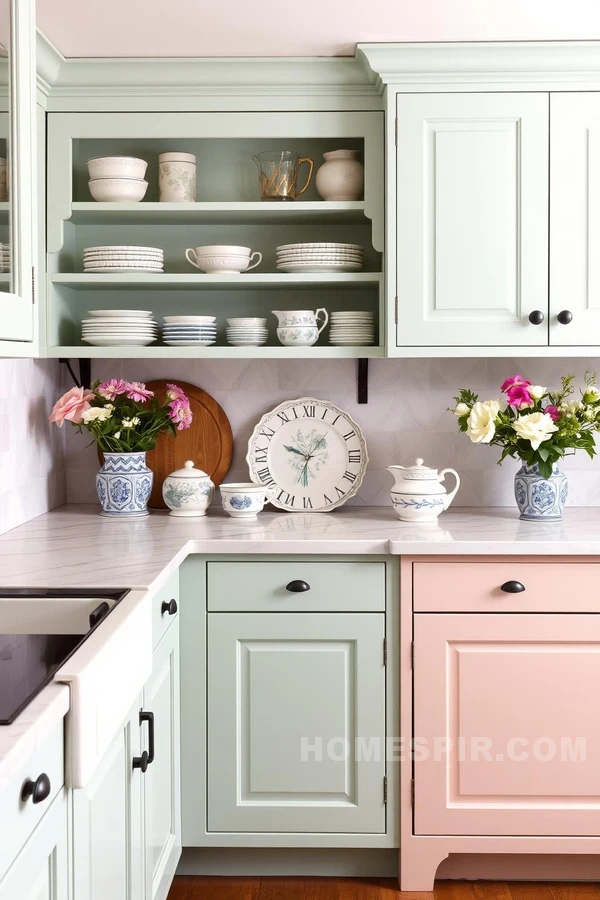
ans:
x=480 y=62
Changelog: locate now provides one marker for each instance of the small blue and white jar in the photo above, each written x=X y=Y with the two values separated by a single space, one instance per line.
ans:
x=124 y=484
x=188 y=491
x=540 y=499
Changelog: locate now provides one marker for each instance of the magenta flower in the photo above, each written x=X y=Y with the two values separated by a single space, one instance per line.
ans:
x=554 y=413
x=138 y=392
x=174 y=392
x=111 y=389
x=518 y=396
x=515 y=381
x=180 y=412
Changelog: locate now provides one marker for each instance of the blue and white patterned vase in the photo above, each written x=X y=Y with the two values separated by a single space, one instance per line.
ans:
x=540 y=499
x=124 y=484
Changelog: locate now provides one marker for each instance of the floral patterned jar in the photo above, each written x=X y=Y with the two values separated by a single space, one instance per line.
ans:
x=124 y=484
x=188 y=491
x=176 y=177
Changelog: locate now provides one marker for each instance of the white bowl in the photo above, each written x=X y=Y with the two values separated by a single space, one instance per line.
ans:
x=117 y=167
x=223 y=250
x=222 y=265
x=244 y=501
x=118 y=190
x=247 y=322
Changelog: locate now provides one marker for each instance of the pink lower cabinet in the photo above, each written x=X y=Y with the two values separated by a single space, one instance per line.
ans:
x=503 y=711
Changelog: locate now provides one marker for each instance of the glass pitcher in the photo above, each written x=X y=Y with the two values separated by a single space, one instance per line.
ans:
x=278 y=174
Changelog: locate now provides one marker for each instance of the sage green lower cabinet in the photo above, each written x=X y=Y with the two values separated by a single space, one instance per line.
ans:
x=40 y=871
x=289 y=697
x=160 y=784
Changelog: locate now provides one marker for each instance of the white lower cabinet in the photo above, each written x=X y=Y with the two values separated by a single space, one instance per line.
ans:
x=40 y=871
x=296 y=723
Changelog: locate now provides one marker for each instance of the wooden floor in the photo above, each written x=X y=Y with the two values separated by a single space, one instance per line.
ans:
x=217 y=888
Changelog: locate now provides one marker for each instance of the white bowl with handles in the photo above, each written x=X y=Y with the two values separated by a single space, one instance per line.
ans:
x=222 y=263
x=244 y=500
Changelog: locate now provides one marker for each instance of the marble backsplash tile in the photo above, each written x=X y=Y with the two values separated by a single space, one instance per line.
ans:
x=406 y=416
x=32 y=451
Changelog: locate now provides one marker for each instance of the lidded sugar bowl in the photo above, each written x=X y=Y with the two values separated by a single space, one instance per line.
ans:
x=188 y=491
x=418 y=494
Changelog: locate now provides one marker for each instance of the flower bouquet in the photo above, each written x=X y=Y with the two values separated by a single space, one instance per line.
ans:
x=125 y=420
x=539 y=427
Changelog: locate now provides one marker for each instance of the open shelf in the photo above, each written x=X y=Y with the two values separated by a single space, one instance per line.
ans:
x=167 y=281
x=308 y=212
x=216 y=352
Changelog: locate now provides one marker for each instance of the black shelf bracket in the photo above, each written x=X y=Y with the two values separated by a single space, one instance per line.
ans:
x=85 y=372
x=363 y=380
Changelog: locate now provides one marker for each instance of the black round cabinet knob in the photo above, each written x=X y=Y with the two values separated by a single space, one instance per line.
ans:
x=536 y=317
x=169 y=606
x=141 y=762
x=512 y=587
x=297 y=587
x=38 y=790
x=565 y=317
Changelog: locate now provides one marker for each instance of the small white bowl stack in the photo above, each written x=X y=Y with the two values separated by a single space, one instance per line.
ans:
x=117 y=179
x=247 y=332
x=119 y=328
x=320 y=257
x=189 y=331
x=121 y=259
x=5 y=258
x=351 y=329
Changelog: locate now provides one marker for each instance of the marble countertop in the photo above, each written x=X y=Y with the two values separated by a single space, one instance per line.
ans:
x=75 y=547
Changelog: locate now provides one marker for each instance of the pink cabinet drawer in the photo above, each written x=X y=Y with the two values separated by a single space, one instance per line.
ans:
x=477 y=586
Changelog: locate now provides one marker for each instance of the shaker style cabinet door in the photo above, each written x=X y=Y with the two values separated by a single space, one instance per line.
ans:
x=505 y=715
x=40 y=871
x=575 y=219
x=472 y=220
x=296 y=702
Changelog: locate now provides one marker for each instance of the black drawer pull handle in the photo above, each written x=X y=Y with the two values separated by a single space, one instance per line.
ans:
x=565 y=317
x=168 y=606
x=38 y=790
x=297 y=587
x=512 y=587
x=142 y=762
x=536 y=317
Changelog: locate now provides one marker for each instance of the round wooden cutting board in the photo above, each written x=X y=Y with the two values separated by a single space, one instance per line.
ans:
x=209 y=440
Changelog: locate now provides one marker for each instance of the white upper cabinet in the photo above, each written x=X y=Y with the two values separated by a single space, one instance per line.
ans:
x=471 y=243
x=17 y=146
x=575 y=219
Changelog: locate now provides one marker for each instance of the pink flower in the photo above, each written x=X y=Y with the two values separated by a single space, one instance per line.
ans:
x=138 y=391
x=518 y=396
x=71 y=406
x=180 y=412
x=111 y=389
x=174 y=392
x=515 y=381
x=554 y=413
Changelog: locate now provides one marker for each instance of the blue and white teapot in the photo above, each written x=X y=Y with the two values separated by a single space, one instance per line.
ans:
x=418 y=494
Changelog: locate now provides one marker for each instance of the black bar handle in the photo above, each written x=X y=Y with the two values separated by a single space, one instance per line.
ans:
x=297 y=587
x=169 y=606
x=512 y=587
x=149 y=718
x=38 y=790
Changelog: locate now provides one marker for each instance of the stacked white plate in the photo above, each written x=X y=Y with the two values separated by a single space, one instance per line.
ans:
x=119 y=328
x=4 y=257
x=123 y=259
x=247 y=331
x=189 y=331
x=351 y=329
x=320 y=257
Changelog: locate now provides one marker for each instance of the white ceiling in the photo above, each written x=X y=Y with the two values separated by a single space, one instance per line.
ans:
x=115 y=28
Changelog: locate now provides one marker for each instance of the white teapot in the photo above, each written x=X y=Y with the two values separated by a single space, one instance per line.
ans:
x=418 y=494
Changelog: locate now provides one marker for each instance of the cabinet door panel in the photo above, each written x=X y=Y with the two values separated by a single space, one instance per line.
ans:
x=512 y=697
x=274 y=680
x=472 y=219
x=40 y=871
x=575 y=217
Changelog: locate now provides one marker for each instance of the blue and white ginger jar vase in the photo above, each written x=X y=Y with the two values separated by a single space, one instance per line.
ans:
x=540 y=499
x=124 y=484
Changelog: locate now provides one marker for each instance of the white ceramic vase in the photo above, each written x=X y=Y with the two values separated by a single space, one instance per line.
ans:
x=342 y=176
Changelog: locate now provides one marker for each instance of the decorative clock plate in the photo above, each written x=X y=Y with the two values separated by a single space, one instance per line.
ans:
x=311 y=451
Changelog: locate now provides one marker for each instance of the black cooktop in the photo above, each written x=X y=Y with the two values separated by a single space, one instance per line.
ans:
x=28 y=661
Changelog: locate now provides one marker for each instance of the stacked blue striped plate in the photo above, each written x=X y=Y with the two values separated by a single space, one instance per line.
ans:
x=189 y=331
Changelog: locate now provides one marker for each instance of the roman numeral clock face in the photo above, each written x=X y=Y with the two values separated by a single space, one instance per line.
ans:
x=310 y=454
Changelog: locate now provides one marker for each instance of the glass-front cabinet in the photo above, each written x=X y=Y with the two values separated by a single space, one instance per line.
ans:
x=17 y=174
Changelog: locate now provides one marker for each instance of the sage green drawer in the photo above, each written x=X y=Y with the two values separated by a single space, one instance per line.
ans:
x=165 y=608
x=269 y=586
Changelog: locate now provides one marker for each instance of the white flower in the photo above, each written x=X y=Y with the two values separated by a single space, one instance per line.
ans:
x=591 y=394
x=536 y=391
x=109 y=406
x=129 y=423
x=572 y=406
x=480 y=424
x=535 y=428
x=461 y=409
x=117 y=435
x=96 y=414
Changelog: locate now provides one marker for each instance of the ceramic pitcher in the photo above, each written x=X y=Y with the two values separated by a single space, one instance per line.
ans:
x=301 y=318
x=418 y=494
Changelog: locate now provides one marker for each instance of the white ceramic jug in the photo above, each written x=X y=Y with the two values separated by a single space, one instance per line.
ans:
x=418 y=494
